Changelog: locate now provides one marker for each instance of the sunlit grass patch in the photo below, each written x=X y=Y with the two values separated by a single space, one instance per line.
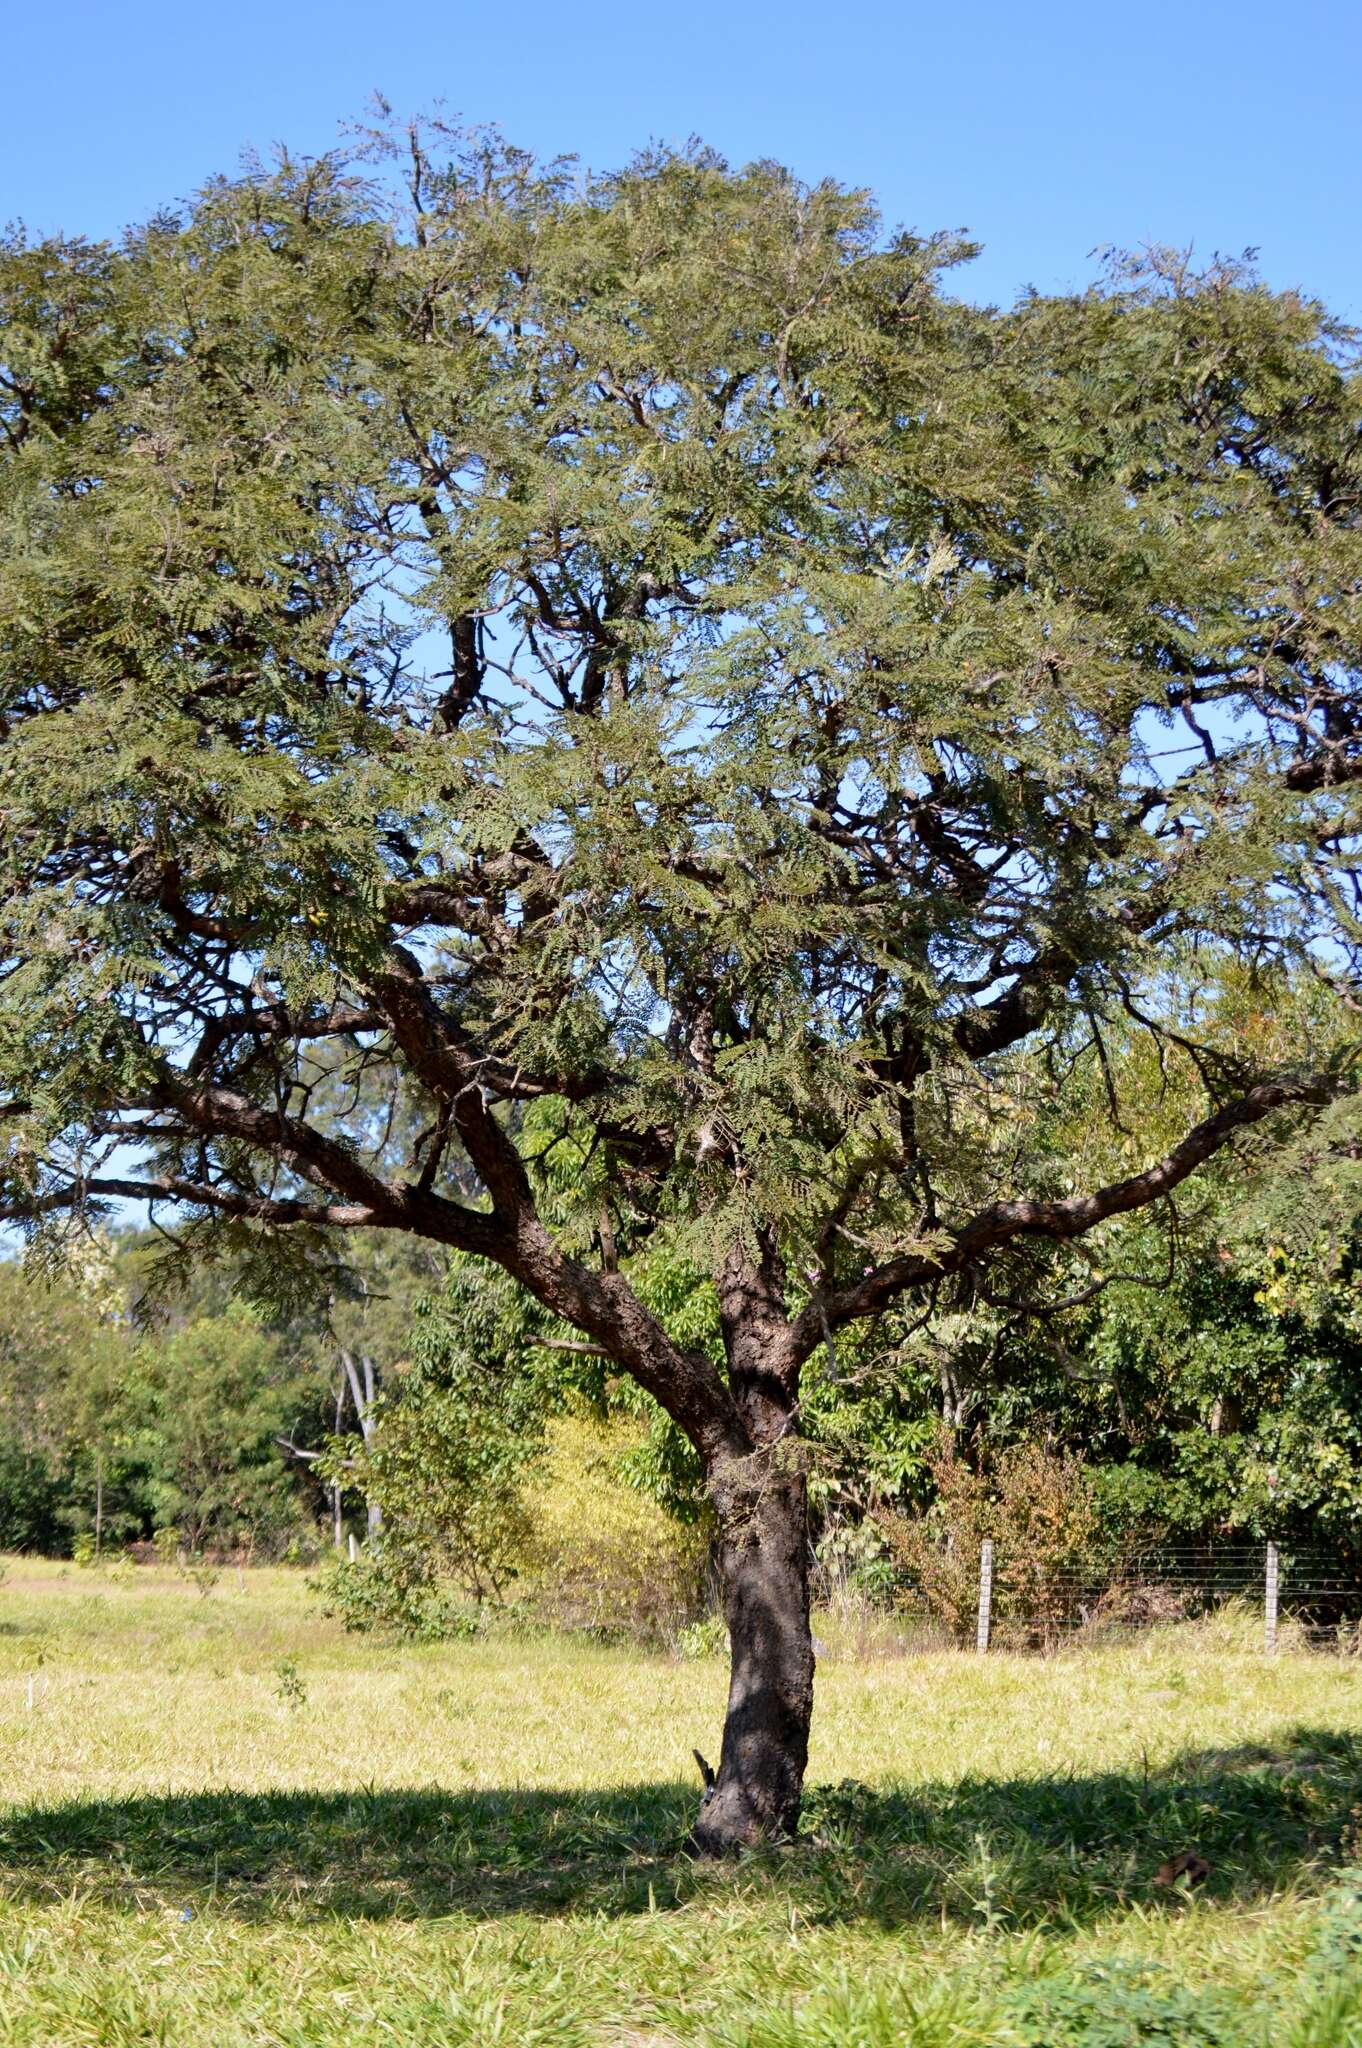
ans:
x=226 y=1822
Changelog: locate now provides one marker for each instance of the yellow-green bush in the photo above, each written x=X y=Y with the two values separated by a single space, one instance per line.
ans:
x=600 y=1555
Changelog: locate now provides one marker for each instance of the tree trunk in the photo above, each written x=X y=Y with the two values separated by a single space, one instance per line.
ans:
x=337 y=1532
x=762 y=1504
x=366 y=1422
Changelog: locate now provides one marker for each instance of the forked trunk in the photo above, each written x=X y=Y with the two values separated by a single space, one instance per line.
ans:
x=762 y=1503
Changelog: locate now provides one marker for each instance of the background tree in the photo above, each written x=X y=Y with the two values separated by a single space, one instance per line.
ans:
x=635 y=645
x=444 y=1457
x=119 y=1417
x=215 y=1394
x=70 y=1458
x=369 y=1326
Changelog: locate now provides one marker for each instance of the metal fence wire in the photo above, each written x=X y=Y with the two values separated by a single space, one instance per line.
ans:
x=1305 y=1596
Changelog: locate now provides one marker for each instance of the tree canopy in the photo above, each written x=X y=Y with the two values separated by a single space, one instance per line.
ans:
x=488 y=636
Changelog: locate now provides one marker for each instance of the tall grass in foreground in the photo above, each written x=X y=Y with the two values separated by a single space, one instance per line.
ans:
x=227 y=1823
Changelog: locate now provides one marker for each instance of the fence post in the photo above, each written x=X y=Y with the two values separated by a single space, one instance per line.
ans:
x=354 y=1547
x=1270 y=1600
x=985 y=1593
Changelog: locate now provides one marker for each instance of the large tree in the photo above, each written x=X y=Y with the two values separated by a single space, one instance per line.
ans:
x=637 y=645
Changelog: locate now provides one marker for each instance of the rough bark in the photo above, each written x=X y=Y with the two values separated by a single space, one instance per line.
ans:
x=762 y=1505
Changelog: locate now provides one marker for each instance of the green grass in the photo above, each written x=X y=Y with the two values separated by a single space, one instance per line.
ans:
x=227 y=1823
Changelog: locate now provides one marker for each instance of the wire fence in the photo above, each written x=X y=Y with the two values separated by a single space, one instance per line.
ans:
x=1275 y=1595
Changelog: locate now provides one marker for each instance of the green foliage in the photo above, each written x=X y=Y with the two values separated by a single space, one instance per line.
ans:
x=705 y=1638
x=167 y=1421
x=32 y=1497
x=479 y=1508
x=446 y=1462
x=395 y=1591
x=1224 y=1401
x=68 y=1409
x=292 y=1688
x=213 y=1398
x=506 y=1461
x=738 y=681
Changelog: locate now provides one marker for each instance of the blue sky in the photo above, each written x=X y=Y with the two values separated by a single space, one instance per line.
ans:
x=1047 y=130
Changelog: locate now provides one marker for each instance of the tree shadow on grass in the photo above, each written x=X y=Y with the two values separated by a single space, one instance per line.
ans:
x=1010 y=1853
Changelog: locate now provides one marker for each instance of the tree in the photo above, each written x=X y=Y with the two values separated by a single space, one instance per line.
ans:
x=370 y=1328
x=444 y=1455
x=635 y=645
x=69 y=1442
x=118 y=1419
x=215 y=1395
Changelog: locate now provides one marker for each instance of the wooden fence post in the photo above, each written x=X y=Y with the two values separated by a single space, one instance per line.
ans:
x=1270 y=1600
x=985 y=1593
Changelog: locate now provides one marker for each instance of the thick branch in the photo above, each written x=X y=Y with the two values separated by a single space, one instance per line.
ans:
x=602 y=1305
x=195 y=1194
x=1001 y=1222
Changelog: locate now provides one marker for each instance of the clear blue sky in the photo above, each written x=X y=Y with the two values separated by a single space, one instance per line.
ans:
x=1046 y=129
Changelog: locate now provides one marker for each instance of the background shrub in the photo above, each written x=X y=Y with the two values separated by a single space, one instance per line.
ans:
x=601 y=1555
x=1038 y=1507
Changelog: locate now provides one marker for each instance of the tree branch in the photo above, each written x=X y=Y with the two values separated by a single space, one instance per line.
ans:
x=1001 y=1222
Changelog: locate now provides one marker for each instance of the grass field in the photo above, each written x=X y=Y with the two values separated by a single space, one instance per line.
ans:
x=224 y=1822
